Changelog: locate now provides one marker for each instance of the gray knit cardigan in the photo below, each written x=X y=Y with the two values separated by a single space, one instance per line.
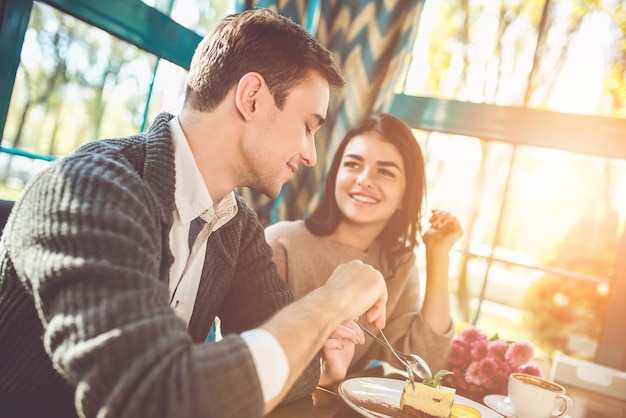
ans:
x=85 y=323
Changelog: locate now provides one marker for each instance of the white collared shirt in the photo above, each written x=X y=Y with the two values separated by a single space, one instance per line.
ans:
x=192 y=199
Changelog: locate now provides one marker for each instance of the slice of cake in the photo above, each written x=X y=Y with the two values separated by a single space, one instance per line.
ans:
x=427 y=399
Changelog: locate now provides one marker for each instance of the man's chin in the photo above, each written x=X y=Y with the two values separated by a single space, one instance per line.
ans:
x=268 y=188
x=271 y=193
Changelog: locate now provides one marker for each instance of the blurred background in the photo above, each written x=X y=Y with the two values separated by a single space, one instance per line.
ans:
x=519 y=107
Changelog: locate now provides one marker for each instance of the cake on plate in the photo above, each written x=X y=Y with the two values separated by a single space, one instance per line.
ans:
x=428 y=399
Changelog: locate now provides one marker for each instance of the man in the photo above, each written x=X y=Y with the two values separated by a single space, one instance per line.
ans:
x=105 y=300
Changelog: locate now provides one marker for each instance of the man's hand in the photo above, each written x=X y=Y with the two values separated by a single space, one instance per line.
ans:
x=363 y=291
x=353 y=289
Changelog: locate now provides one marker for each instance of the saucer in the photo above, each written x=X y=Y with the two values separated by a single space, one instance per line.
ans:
x=502 y=405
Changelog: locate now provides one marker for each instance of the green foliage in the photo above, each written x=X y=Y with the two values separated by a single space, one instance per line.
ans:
x=558 y=308
x=435 y=381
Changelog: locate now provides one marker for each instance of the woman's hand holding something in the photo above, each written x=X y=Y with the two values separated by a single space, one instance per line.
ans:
x=338 y=351
x=445 y=230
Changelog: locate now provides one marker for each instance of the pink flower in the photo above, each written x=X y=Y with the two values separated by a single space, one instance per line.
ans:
x=480 y=349
x=481 y=372
x=488 y=370
x=472 y=374
x=530 y=368
x=482 y=365
x=501 y=380
x=459 y=354
x=471 y=334
x=504 y=368
x=519 y=353
x=497 y=349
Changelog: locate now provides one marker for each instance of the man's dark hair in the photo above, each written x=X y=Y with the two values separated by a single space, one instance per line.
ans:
x=261 y=41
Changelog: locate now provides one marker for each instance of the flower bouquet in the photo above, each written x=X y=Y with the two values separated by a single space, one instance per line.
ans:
x=482 y=365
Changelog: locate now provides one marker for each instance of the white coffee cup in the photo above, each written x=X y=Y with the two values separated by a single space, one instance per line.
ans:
x=534 y=397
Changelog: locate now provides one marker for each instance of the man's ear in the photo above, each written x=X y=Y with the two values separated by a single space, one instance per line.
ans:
x=247 y=94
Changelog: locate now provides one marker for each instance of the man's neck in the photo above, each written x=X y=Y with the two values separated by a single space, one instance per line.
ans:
x=213 y=140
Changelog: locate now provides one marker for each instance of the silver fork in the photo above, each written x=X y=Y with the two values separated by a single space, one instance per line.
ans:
x=409 y=370
x=415 y=365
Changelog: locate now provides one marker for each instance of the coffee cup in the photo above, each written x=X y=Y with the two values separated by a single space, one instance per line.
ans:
x=535 y=397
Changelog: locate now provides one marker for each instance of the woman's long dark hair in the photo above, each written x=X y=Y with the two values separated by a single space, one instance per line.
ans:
x=399 y=237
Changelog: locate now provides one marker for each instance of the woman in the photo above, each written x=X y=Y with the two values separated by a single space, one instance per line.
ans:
x=371 y=210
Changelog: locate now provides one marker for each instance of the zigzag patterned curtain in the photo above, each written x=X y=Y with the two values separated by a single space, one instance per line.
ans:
x=371 y=41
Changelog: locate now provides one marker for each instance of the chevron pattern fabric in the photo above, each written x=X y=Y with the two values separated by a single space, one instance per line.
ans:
x=372 y=43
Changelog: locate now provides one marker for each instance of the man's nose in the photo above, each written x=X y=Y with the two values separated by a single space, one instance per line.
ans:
x=309 y=156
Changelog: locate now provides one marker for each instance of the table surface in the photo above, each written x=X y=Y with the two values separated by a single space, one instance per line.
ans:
x=324 y=403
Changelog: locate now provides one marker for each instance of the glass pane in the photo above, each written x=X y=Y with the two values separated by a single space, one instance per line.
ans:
x=566 y=210
x=164 y=6
x=15 y=171
x=198 y=15
x=168 y=91
x=75 y=83
x=485 y=52
x=554 y=253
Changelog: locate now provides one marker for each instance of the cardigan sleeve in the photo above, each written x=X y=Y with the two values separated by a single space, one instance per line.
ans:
x=87 y=240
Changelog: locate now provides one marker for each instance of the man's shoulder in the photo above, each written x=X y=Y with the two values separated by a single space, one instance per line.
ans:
x=132 y=145
x=111 y=146
x=100 y=161
x=105 y=165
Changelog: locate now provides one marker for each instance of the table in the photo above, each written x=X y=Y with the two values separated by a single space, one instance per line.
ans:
x=324 y=403
x=590 y=404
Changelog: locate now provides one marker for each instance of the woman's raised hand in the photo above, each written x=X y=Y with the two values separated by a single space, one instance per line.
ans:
x=445 y=230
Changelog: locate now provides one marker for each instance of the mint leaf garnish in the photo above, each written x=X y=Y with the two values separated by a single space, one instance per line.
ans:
x=434 y=382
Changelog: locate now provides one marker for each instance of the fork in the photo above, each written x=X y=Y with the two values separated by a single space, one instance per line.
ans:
x=414 y=363
x=409 y=370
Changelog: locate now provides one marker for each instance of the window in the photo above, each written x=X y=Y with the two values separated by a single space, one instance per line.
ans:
x=101 y=74
x=197 y=15
x=542 y=230
x=540 y=194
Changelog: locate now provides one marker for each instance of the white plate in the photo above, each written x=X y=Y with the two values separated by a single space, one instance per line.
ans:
x=387 y=392
x=501 y=404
